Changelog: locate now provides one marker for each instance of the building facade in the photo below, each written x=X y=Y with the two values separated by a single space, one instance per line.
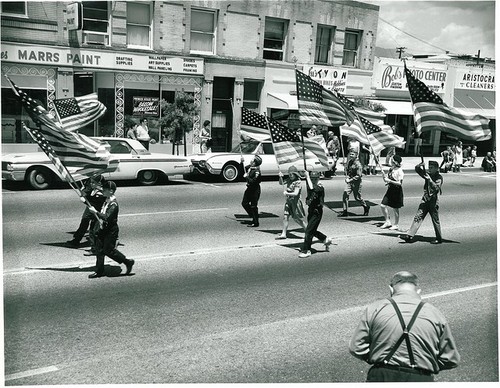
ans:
x=227 y=54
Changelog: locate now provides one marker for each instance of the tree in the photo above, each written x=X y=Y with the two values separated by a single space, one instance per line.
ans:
x=364 y=102
x=177 y=118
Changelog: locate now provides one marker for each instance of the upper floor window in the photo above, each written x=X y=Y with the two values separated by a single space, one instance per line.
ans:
x=251 y=94
x=17 y=8
x=203 y=30
x=324 y=39
x=275 y=39
x=351 y=46
x=138 y=24
x=96 y=22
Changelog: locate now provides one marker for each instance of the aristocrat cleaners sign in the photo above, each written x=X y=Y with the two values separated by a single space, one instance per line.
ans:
x=41 y=55
x=475 y=79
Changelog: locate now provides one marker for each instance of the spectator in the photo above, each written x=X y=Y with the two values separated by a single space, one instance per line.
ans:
x=205 y=137
x=466 y=156
x=489 y=164
x=417 y=138
x=458 y=157
x=143 y=133
x=333 y=147
x=132 y=131
x=403 y=337
x=447 y=161
x=473 y=155
x=312 y=131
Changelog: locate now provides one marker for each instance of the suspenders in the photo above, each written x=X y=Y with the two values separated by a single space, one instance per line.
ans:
x=405 y=336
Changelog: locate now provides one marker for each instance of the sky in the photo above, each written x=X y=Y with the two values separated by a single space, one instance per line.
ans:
x=460 y=27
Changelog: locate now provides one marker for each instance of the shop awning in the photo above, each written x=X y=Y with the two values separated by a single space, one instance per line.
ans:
x=488 y=113
x=282 y=101
x=395 y=107
x=475 y=102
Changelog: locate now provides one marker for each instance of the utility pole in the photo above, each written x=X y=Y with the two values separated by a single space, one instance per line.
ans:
x=400 y=50
x=478 y=56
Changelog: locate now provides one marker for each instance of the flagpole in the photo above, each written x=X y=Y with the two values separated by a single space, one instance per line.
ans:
x=371 y=147
x=300 y=126
x=342 y=148
x=272 y=142
x=239 y=129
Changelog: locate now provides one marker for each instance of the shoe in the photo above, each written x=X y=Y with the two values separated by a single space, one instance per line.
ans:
x=129 y=266
x=367 y=210
x=95 y=275
x=436 y=241
x=407 y=239
x=394 y=227
x=252 y=225
x=386 y=225
x=73 y=243
x=342 y=214
x=327 y=242
x=280 y=237
x=303 y=255
x=90 y=253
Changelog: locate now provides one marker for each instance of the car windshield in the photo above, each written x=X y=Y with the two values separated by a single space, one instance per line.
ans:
x=246 y=147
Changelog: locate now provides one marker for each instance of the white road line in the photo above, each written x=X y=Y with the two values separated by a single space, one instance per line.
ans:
x=174 y=212
x=32 y=372
x=307 y=318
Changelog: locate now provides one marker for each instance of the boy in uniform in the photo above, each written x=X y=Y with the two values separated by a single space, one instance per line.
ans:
x=252 y=192
x=107 y=232
x=354 y=172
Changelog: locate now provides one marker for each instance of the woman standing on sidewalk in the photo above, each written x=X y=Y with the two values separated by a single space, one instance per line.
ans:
x=393 y=198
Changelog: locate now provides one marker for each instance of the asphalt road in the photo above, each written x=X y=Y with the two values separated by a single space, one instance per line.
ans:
x=213 y=301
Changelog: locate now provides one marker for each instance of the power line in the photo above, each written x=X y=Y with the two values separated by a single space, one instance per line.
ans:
x=414 y=37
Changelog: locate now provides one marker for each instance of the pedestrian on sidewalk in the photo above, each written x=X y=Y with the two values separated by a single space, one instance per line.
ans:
x=293 y=203
x=429 y=203
x=107 y=232
x=403 y=337
x=252 y=193
x=354 y=173
x=393 y=198
x=92 y=192
x=315 y=201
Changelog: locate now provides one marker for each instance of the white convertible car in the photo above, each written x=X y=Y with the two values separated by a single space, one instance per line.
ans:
x=227 y=165
x=135 y=162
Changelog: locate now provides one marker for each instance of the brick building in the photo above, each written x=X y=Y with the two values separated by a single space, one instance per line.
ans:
x=228 y=54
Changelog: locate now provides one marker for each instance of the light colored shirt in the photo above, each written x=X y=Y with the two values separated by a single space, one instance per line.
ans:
x=142 y=133
x=431 y=340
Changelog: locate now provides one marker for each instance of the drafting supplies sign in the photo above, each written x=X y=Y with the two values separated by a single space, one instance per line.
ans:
x=146 y=106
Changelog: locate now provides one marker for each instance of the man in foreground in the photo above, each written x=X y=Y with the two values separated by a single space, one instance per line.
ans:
x=403 y=337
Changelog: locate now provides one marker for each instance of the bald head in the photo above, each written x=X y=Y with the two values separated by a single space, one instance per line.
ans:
x=406 y=280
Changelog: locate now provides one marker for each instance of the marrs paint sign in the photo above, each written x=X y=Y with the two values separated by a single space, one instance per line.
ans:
x=146 y=106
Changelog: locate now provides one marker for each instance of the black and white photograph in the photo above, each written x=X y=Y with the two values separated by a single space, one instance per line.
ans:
x=248 y=192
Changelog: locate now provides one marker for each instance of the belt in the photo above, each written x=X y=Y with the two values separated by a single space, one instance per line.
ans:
x=407 y=369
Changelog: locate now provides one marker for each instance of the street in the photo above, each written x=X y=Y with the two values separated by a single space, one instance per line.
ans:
x=212 y=301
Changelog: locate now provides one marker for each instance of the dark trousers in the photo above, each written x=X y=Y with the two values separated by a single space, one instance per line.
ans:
x=314 y=216
x=250 y=202
x=429 y=207
x=106 y=242
x=87 y=217
x=382 y=374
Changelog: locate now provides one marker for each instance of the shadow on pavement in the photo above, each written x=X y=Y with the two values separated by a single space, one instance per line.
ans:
x=110 y=271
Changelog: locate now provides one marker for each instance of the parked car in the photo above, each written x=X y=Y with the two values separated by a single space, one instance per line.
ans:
x=135 y=162
x=227 y=165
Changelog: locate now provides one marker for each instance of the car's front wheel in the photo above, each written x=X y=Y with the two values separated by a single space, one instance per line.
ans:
x=230 y=172
x=148 y=177
x=39 y=178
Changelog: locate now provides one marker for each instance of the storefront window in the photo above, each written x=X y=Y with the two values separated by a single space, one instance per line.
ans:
x=17 y=8
x=138 y=25
x=203 y=31
x=13 y=115
x=251 y=94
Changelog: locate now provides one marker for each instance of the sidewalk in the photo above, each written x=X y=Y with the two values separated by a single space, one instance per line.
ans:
x=409 y=163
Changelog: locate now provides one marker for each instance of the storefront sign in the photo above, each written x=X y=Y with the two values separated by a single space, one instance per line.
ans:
x=74 y=16
x=474 y=79
x=329 y=77
x=40 y=55
x=392 y=77
x=146 y=106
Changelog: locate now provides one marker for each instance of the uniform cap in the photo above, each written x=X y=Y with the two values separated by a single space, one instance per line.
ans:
x=314 y=174
x=257 y=160
x=397 y=159
x=109 y=185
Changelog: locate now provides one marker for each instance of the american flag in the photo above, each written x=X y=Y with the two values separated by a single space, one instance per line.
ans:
x=287 y=143
x=254 y=125
x=77 y=112
x=318 y=105
x=367 y=133
x=432 y=113
x=373 y=117
x=83 y=155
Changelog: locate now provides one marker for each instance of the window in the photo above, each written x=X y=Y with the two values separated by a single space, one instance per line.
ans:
x=351 y=45
x=251 y=94
x=274 y=39
x=324 y=39
x=17 y=8
x=203 y=31
x=96 y=22
x=138 y=25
